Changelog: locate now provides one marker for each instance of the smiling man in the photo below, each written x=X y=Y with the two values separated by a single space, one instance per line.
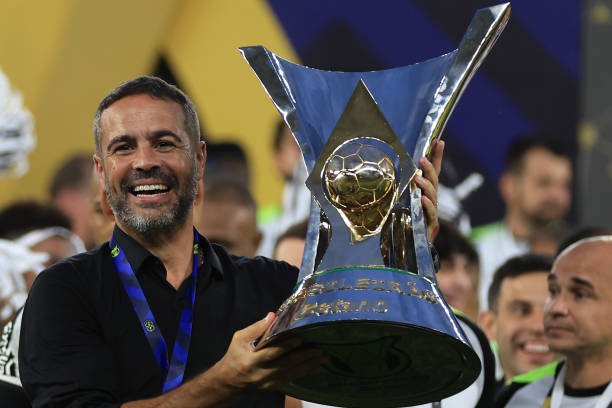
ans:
x=159 y=316
x=576 y=325
x=513 y=319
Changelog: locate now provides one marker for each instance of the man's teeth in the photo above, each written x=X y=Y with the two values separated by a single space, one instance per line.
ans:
x=150 y=188
x=536 y=347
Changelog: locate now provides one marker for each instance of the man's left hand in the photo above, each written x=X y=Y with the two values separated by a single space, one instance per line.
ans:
x=428 y=183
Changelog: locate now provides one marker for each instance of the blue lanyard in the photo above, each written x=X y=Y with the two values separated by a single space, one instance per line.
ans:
x=174 y=369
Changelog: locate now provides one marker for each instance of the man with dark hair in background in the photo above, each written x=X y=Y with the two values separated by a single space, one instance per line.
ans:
x=227 y=160
x=70 y=191
x=41 y=228
x=458 y=273
x=227 y=215
x=159 y=316
x=514 y=318
x=536 y=187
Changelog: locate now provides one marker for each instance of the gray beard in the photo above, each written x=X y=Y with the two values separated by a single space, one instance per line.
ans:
x=153 y=229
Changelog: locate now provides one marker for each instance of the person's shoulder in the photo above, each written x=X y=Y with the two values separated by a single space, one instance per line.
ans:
x=528 y=390
x=481 y=346
x=79 y=268
x=488 y=231
x=253 y=265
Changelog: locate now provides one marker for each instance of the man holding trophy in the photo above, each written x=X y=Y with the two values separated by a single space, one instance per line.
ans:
x=160 y=317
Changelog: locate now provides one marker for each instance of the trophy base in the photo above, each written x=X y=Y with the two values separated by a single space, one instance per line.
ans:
x=389 y=338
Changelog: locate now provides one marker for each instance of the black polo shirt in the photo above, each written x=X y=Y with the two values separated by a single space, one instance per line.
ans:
x=82 y=344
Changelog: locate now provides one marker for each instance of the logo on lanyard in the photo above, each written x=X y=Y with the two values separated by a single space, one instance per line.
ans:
x=149 y=325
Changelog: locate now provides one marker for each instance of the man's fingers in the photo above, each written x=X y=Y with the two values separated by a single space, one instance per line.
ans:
x=275 y=351
x=431 y=212
x=437 y=152
x=293 y=366
x=251 y=333
x=428 y=188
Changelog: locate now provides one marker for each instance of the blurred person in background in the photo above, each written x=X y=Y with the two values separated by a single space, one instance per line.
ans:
x=536 y=187
x=458 y=273
x=513 y=321
x=296 y=198
x=290 y=245
x=226 y=215
x=577 y=326
x=228 y=161
x=70 y=192
x=17 y=263
x=101 y=218
x=41 y=228
x=34 y=236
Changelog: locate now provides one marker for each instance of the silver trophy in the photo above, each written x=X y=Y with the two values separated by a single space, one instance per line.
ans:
x=367 y=292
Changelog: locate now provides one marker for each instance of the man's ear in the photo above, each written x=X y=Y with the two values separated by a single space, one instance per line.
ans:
x=201 y=158
x=488 y=323
x=99 y=169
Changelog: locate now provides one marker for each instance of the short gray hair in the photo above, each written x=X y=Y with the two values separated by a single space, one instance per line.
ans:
x=155 y=88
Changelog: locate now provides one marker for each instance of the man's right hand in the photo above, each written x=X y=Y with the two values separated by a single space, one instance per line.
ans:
x=243 y=369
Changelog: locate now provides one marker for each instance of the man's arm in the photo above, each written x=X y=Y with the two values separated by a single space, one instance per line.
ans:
x=241 y=371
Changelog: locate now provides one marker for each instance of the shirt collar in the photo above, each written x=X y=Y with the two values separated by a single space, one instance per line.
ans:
x=136 y=254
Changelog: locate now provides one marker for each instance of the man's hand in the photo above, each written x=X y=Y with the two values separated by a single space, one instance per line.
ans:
x=428 y=183
x=243 y=368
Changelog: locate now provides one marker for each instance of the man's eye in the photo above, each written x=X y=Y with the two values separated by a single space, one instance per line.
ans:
x=553 y=290
x=121 y=148
x=581 y=294
x=165 y=145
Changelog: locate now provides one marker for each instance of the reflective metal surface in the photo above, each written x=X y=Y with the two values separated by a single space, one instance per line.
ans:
x=389 y=337
x=367 y=291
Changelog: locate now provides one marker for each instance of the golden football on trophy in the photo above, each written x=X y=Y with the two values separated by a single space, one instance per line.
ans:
x=360 y=181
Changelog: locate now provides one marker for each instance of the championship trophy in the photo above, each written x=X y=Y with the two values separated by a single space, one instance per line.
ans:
x=367 y=292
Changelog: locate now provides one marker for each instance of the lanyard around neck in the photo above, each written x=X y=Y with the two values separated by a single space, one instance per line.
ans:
x=558 y=391
x=173 y=369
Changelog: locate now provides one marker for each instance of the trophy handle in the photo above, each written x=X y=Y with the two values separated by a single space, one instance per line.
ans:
x=480 y=36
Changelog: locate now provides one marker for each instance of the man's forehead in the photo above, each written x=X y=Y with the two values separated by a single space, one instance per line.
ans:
x=524 y=284
x=587 y=259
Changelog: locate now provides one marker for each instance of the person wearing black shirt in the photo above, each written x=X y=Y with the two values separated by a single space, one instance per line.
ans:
x=158 y=316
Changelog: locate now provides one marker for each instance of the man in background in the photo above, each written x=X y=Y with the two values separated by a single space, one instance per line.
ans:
x=536 y=187
x=101 y=216
x=458 y=274
x=296 y=196
x=514 y=318
x=70 y=191
x=227 y=215
x=577 y=326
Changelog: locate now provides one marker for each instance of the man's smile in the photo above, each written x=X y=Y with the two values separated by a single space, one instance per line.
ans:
x=149 y=190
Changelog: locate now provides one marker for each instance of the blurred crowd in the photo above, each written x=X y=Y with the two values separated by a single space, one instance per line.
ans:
x=496 y=275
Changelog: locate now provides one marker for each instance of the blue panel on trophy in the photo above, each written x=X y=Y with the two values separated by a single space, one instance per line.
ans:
x=322 y=97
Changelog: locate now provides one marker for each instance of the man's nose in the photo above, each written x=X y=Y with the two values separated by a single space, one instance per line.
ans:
x=556 y=306
x=536 y=320
x=144 y=158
